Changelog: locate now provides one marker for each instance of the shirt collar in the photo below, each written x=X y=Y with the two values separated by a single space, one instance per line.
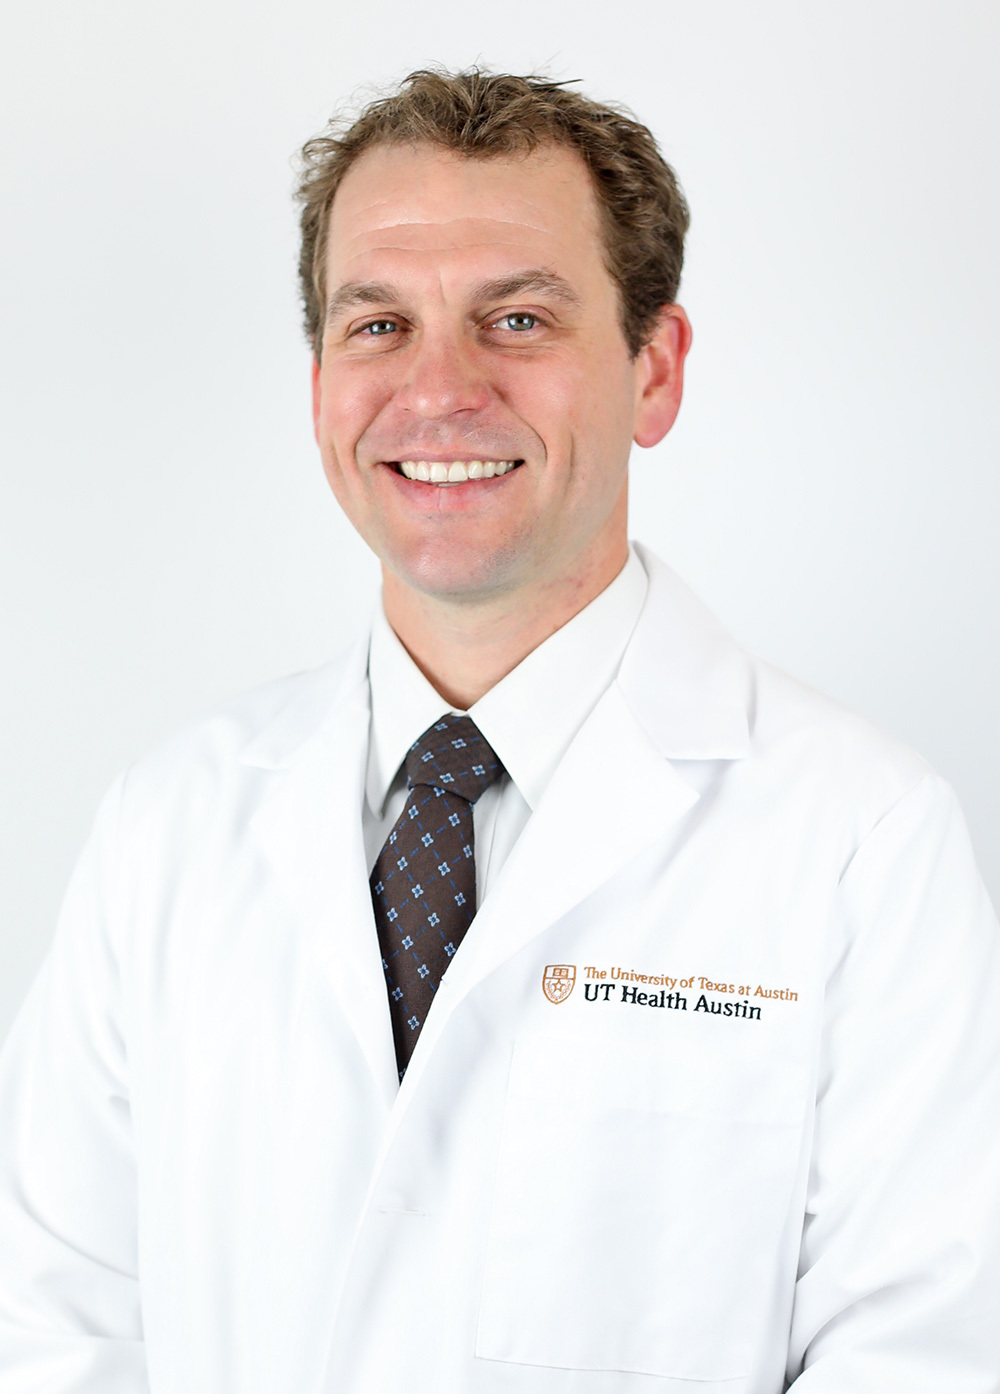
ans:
x=404 y=704
x=531 y=716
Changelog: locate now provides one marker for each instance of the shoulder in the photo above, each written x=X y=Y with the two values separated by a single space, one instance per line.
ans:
x=833 y=756
x=787 y=740
x=790 y=719
x=212 y=756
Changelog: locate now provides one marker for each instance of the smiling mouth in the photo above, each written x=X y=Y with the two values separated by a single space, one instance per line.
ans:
x=442 y=473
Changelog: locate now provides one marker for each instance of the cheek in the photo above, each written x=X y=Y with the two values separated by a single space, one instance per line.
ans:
x=590 y=410
x=610 y=404
x=550 y=396
x=350 y=403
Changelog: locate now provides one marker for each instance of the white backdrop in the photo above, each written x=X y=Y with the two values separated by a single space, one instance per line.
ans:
x=166 y=537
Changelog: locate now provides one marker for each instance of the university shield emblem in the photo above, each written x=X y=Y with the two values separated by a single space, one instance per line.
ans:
x=557 y=981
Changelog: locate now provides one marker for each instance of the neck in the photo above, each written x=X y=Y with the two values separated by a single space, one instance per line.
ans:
x=463 y=650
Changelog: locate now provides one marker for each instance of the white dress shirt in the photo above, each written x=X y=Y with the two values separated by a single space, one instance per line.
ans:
x=529 y=718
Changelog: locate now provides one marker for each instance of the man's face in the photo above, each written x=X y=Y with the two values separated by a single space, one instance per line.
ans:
x=472 y=319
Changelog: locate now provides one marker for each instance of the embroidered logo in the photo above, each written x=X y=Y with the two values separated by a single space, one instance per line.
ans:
x=558 y=981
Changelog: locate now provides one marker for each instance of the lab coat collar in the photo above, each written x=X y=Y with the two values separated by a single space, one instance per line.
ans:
x=685 y=679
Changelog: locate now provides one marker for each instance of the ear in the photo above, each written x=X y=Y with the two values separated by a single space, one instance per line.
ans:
x=317 y=396
x=660 y=376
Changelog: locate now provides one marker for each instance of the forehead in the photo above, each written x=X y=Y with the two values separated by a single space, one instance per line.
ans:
x=420 y=208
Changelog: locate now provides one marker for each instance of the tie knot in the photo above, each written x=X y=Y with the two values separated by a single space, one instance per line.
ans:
x=453 y=756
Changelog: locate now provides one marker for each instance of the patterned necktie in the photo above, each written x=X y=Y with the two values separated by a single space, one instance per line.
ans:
x=424 y=882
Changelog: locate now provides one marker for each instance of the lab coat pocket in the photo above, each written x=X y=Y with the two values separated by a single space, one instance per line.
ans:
x=639 y=1202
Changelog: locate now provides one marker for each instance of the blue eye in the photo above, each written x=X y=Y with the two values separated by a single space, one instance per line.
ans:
x=519 y=322
x=379 y=327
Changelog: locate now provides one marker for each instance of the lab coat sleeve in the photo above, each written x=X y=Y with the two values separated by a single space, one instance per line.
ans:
x=898 y=1286
x=69 y=1293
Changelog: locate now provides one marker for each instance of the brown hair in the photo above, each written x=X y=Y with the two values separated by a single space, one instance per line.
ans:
x=480 y=114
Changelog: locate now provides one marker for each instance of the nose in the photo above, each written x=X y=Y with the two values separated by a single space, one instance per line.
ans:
x=443 y=378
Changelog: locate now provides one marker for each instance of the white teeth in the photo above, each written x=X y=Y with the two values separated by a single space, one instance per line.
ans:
x=458 y=472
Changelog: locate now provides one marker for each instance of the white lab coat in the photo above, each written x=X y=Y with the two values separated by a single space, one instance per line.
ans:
x=211 y=1185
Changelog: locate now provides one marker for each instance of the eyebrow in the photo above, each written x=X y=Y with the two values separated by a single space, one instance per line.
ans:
x=536 y=278
x=353 y=293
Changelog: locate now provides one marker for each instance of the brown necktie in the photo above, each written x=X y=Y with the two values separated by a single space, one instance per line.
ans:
x=424 y=882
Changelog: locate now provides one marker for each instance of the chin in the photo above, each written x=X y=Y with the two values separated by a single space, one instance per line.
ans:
x=469 y=573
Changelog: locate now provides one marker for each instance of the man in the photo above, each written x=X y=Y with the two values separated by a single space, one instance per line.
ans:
x=547 y=995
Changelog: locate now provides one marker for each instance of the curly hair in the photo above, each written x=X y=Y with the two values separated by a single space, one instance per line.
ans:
x=480 y=115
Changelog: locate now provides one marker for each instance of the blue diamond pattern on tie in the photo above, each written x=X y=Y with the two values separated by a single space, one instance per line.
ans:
x=424 y=882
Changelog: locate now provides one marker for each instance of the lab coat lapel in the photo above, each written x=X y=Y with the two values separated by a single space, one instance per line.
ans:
x=611 y=796
x=681 y=695
x=310 y=832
